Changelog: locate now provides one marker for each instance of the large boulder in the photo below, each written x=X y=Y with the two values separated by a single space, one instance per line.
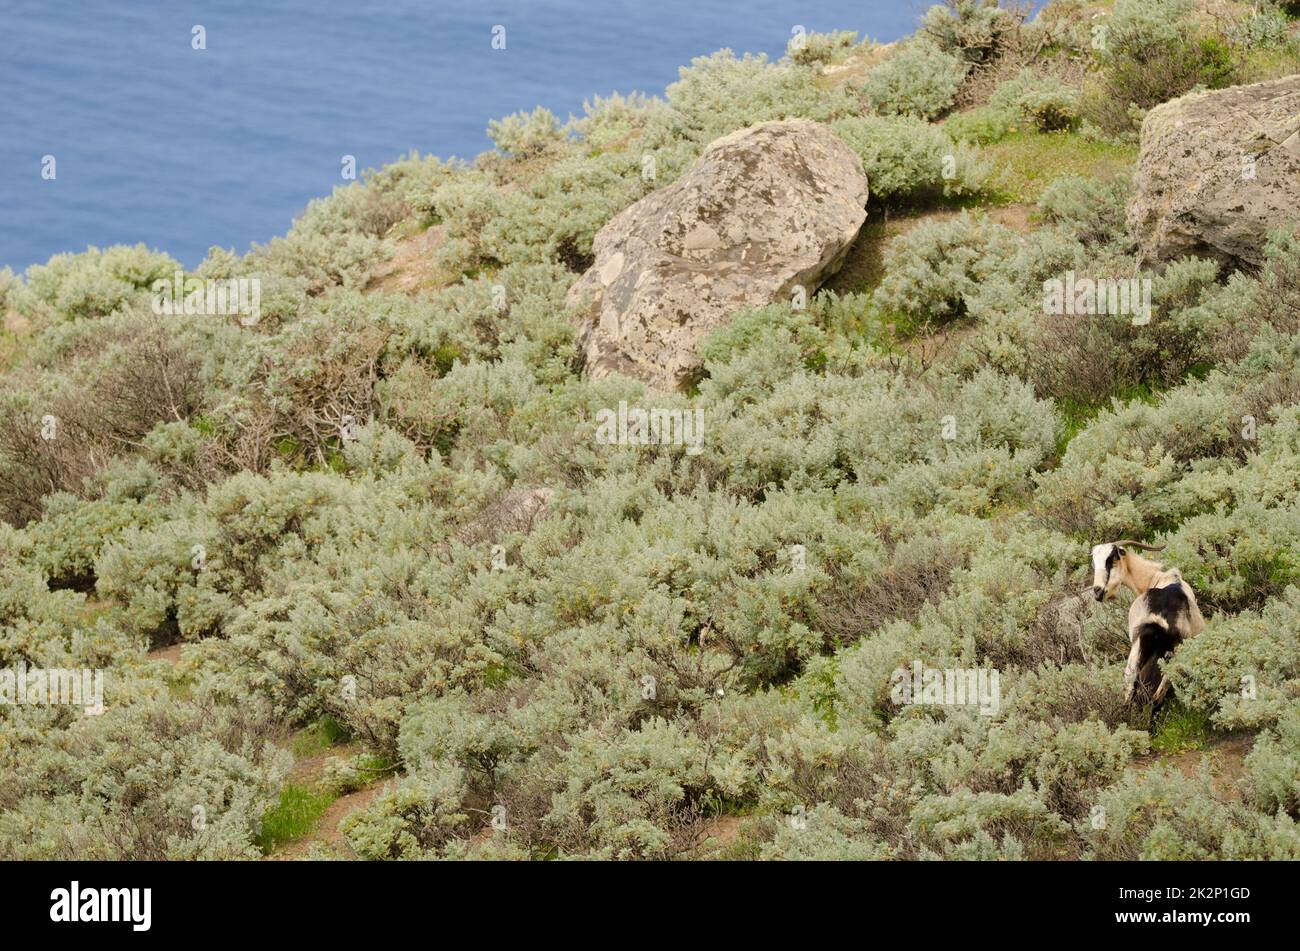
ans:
x=763 y=210
x=1217 y=172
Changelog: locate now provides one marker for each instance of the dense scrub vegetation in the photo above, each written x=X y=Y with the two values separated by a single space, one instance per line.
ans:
x=387 y=512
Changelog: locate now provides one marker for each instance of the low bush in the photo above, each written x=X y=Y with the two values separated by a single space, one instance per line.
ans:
x=1162 y=815
x=721 y=93
x=812 y=48
x=975 y=30
x=526 y=134
x=1152 y=52
x=1042 y=101
x=931 y=271
x=908 y=160
x=1274 y=767
x=1092 y=211
x=982 y=125
x=917 y=80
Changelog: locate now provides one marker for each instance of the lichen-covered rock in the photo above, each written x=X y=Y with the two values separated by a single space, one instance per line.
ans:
x=763 y=210
x=1217 y=172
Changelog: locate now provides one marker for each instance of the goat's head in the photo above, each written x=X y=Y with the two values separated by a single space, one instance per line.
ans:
x=1110 y=567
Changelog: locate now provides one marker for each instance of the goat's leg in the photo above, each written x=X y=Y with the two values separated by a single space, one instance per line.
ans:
x=1131 y=669
x=1161 y=691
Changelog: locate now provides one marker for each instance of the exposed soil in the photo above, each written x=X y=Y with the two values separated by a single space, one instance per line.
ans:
x=412 y=268
x=170 y=655
x=718 y=833
x=327 y=832
x=1225 y=759
x=853 y=68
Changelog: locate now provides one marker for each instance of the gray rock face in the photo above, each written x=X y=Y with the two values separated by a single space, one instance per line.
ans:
x=762 y=211
x=1217 y=172
x=517 y=510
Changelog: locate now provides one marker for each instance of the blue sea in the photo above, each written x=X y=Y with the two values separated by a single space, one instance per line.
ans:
x=182 y=149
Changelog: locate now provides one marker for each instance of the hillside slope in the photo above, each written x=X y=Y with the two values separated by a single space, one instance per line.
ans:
x=379 y=510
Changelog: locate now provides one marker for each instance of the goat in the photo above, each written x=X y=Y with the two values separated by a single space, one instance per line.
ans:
x=1162 y=616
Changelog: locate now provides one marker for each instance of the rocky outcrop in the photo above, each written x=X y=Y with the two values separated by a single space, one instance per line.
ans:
x=1218 y=171
x=763 y=210
x=516 y=510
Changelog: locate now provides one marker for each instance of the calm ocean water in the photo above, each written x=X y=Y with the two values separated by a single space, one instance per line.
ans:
x=185 y=149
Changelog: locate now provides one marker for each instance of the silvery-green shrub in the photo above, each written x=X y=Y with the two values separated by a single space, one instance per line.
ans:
x=917 y=79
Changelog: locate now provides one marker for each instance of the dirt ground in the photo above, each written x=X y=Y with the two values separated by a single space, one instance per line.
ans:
x=1225 y=759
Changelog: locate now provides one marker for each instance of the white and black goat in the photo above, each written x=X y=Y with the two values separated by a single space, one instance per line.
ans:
x=1163 y=615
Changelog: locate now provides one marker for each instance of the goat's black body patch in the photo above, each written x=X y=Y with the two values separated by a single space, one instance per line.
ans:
x=1156 y=643
x=1167 y=602
x=1170 y=604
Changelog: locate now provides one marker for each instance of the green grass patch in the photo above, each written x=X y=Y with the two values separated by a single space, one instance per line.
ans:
x=818 y=686
x=318 y=737
x=494 y=675
x=1028 y=161
x=1075 y=417
x=1077 y=414
x=335 y=461
x=297 y=813
x=1178 y=729
x=377 y=764
x=1264 y=64
x=288 y=448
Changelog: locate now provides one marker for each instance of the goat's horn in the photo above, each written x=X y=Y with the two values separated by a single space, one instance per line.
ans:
x=1142 y=545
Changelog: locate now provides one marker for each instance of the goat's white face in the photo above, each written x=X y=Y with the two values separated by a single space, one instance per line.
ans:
x=1107 y=570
